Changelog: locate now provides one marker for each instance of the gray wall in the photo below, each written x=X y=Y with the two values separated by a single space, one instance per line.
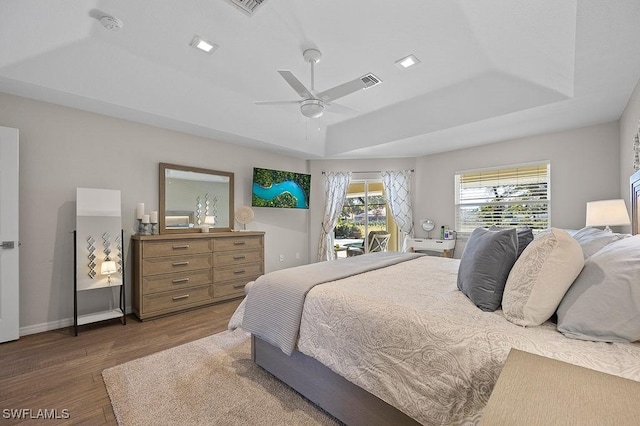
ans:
x=63 y=148
x=584 y=167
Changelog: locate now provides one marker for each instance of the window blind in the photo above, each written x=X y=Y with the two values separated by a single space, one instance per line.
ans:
x=509 y=197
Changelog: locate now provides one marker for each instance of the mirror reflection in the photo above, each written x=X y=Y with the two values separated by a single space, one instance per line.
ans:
x=194 y=198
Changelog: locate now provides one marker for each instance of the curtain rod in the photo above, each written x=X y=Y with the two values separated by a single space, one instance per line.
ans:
x=370 y=171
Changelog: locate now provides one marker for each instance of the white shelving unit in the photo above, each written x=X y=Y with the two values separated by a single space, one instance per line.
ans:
x=99 y=316
x=92 y=317
x=98 y=259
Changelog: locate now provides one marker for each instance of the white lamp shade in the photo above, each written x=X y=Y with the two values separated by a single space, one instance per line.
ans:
x=108 y=267
x=607 y=213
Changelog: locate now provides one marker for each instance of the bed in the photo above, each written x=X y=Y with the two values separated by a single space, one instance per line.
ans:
x=399 y=343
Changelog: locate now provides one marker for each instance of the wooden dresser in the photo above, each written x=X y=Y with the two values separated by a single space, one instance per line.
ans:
x=175 y=272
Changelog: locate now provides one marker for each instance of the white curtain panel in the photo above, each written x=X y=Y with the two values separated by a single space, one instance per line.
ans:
x=397 y=187
x=336 y=185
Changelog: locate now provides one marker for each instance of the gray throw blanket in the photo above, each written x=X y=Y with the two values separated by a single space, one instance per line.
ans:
x=274 y=304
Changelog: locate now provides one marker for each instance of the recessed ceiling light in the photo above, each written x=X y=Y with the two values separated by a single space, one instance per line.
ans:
x=204 y=45
x=407 y=61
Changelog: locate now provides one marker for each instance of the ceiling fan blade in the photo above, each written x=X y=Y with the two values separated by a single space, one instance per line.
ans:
x=275 y=102
x=341 y=90
x=341 y=109
x=295 y=83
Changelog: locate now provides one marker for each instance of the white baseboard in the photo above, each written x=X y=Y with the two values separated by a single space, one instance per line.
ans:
x=52 y=325
x=45 y=326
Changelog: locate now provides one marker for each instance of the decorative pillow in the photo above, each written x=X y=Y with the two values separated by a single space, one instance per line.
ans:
x=603 y=304
x=525 y=236
x=485 y=265
x=593 y=239
x=540 y=278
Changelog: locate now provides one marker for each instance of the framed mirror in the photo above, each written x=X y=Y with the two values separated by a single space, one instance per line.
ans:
x=191 y=197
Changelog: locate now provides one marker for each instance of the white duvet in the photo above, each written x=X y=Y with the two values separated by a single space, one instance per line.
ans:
x=407 y=335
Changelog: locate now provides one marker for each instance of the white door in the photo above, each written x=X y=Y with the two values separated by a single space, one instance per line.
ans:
x=9 y=246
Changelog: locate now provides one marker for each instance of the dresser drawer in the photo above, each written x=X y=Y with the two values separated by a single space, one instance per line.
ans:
x=231 y=288
x=237 y=258
x=237 y=243
x=171 y=300
x=226 y=273
x=165 y=265
x=165 y=282
x=175 y=247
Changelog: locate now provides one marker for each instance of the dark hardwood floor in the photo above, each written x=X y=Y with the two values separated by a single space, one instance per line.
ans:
x=57 y=371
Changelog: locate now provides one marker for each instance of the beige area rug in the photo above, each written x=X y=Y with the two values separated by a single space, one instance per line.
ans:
x=211 y=381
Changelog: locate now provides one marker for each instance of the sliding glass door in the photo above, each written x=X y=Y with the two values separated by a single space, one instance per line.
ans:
x=365 y=210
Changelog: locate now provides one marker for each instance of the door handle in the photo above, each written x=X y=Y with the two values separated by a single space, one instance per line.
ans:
x=8 y=244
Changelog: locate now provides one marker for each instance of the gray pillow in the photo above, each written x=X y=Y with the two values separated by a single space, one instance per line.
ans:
x=525 y=236
x=485 y=265
x=603 y=303
x=592 y=240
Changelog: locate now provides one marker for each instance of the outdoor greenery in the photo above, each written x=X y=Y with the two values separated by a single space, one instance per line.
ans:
x=509 y=206
x=345 y=229
x=352 y=218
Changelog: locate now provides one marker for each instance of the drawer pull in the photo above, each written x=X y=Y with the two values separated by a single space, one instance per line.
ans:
x=184 y=246
x=185 y=263
x=239 y=243
x=180 y=280
x=239 y=271
x=184 y=296
x=238 y=285
x=239 y=256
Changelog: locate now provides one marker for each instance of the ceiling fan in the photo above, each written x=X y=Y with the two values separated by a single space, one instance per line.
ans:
x=313 y=103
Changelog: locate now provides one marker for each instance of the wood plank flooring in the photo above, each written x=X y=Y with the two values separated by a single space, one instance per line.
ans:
x=57 y=371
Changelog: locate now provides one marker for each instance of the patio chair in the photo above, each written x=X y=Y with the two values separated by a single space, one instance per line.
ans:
x=378 y=241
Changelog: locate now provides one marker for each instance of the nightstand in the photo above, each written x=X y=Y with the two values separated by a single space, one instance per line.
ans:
x=445 y=247
x=535 y=390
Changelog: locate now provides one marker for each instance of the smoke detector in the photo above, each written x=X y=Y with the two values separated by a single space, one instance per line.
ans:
x=110 y=22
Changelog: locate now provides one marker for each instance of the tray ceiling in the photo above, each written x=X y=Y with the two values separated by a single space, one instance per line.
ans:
x=490 y=70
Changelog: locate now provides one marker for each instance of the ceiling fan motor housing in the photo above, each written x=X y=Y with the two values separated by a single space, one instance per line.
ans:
x=312 y=55
x=312 y=108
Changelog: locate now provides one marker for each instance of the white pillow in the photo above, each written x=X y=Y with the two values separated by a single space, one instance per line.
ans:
x=540 y=278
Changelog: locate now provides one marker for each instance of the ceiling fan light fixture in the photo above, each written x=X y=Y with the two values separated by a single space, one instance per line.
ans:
x=312 y=108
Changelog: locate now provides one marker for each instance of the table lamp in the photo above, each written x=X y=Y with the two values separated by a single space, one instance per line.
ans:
x=107 y=268
x=607 y=213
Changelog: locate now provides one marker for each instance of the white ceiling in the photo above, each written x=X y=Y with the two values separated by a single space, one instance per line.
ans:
x=491 y=69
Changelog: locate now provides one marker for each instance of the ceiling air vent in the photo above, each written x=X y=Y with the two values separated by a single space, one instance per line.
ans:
x=247 y=6
x=370 y=80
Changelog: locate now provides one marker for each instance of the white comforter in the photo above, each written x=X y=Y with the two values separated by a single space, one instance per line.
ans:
x=406 y=334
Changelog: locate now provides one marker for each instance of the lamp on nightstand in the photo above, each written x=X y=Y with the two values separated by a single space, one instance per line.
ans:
x=607 y=213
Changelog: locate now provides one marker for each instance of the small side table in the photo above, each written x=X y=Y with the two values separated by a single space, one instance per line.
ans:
x=534 y=390
x=446 y=247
